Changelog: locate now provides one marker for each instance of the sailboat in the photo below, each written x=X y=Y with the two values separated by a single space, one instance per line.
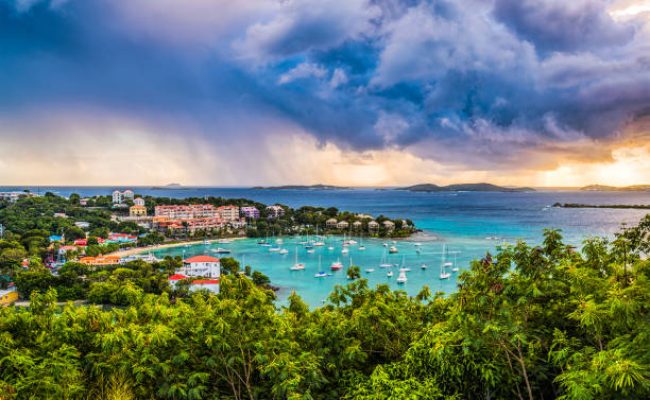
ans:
x=455 y=267
x=443 y=264
x=297 y=266
x=284 y=251
x=337 y=265
x=320 y=273
x=401 y=279
x=402 y=267
x=361 y=246
x=345 y=250
x=383 y=263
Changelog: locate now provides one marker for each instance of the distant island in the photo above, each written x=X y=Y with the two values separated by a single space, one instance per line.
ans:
x=604 y=188
x=465 y=187
x=301 y=187
x=621 y=206
x=171 y=186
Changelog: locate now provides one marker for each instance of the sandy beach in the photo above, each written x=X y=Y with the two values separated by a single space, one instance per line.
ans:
x=139 y=250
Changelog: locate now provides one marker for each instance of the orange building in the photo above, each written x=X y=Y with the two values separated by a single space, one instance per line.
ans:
x=101 y=260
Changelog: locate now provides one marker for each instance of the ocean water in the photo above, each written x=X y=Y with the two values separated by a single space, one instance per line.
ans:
x=467 y=223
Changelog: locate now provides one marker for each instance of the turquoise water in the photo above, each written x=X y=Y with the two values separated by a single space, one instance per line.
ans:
x=460 y=220
x=315 y=290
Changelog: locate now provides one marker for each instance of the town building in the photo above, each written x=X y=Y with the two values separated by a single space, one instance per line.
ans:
x=121 y=197
x=342 y=225
x=357 y=225
x=12 y=197
x=187 y=212
x=201 y=266
x=373 y=225
x=331 y=223
x=82 y=224
x=250 y=212
x=137 y=211
x=275 y=211
x=211 y=285
x=229 y=213
x=138 y=201
x=121 y=238
x=389 y=225
x=101 y=260
x=83 y=202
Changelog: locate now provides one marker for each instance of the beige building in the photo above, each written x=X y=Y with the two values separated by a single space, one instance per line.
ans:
x=137 y=211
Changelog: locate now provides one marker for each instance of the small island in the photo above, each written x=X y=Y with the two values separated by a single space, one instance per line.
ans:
x=619 y=206
x=302 y=187
x=465 y=187
x=603 y=188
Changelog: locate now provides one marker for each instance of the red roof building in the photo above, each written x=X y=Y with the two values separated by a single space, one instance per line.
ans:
x=201 y=259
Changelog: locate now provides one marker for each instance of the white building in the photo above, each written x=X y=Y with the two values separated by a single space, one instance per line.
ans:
x=275 y=211
x=229 y=213
x=203 y=266
x=12 y=197
x=121 y=197
x=211 y=285
x=139 y=201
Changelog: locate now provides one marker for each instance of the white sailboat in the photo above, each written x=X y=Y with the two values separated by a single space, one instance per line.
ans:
x=384 y=263
x=455 y=267
x=443 y=264
x=401 y=279
x=297 y=266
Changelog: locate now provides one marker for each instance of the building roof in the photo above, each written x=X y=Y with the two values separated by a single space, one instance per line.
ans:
x=177 y=277
x=205 y=282
x=196 y=259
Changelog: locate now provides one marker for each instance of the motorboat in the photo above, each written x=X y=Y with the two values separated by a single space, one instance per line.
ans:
x=423 y=266
x=337 y=265
x=283 y=251
x=320 y=275
x=389 y=274
x=221 y=250
x=370 y=270
x=393 y=250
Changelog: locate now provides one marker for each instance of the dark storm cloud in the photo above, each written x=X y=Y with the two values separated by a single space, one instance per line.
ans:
x=479 y=79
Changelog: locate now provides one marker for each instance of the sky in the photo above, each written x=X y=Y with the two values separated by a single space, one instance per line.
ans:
x=349 y=92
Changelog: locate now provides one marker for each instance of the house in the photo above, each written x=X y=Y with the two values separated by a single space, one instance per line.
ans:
x=372 y=225
x=275 y=211
x=137 y=211
x=121 y=197
x=211 y=285
x=342 y=225
x=203 y=266
x=12 y=197
x=83 y=202
x=250 y=212
x=357 y=225
x=389 y=225
x=229 y=213
x=8 y=296
x=82 y=224
x=138 y=201
x=331 y=223
x=59 y=215
x=101 y=260
x=121 y=238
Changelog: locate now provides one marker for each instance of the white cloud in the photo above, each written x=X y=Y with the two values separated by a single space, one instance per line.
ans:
x=304 y=70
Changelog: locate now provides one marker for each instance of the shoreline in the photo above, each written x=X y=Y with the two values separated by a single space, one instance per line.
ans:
x=138 y=250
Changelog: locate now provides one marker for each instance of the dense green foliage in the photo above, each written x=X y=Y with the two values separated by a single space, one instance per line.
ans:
x=529 y=323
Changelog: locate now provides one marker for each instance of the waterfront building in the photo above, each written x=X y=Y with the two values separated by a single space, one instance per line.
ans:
x=373 y=225
x=250 y=212
x=121 y=238
x=389 y=225
x=187 y=212
x=331 y=223
x=229 y=213
x=342 y=225
x=137 y=211
x=201 y=266
x=275 y=211
x=357 y=225
x=138 y=201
